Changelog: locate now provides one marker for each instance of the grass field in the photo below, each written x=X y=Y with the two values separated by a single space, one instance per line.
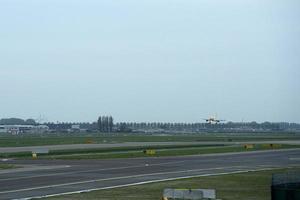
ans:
x=7 y=166
x=113 y=150
x=133 y=152
x=56 y=139
x=245 y=186
x=129 y=152
x=165 y=152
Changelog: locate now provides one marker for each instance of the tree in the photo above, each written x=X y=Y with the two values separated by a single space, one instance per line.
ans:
x=110 y=123
x=104 y=124
x=100 y=126
x=30 y=122
x=124 y=128
x=12 y=121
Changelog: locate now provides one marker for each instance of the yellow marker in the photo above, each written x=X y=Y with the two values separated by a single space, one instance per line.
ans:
x=271 y=146
x=89 y=142
x=150 y=151
x=34 y=155
x=248 y=146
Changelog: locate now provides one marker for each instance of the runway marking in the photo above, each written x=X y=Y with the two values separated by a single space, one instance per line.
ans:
x=87 y=171
x=145 y=182
x=115 y=178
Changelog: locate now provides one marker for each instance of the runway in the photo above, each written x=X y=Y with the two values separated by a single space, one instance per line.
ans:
x=54 y=177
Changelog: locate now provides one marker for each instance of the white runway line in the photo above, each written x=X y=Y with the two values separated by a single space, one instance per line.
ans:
x=114 y=178
x=145 y=182
x=85 y=171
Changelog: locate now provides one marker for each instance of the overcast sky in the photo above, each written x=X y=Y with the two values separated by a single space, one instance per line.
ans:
x=150 y=60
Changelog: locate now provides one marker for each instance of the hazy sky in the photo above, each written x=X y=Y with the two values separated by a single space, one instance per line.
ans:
x=150 y=60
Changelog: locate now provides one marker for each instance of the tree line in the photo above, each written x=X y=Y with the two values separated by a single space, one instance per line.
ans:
x=105 y=123
x=202 y=126
x=17 y=121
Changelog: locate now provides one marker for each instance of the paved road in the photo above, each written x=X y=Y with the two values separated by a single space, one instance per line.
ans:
x=133 y=144
x=51 y=177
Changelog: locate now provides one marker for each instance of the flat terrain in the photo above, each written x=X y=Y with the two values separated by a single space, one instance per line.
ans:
x=55 y=177
x=111 y=138
x=100 y=146
x=245 y=186
x=135 y=150
x=136 y=144
x=179 y=150
x=6 y=166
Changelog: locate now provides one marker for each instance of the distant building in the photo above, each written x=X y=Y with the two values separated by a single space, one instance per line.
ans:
x=75 y=128
x=16 y=129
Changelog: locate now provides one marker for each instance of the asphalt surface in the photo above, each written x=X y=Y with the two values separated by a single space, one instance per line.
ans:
x=51 y=177
x=134 y=144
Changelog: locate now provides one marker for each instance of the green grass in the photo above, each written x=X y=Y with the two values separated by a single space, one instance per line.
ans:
x=113 y=150
x=134 y=152
x=161 y=151
x=7 y=166
x=58 y=138
x=245 y=186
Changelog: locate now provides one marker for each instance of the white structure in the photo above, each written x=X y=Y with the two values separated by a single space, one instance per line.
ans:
x=16 y=129
x=191 y=194
x=75 y=126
